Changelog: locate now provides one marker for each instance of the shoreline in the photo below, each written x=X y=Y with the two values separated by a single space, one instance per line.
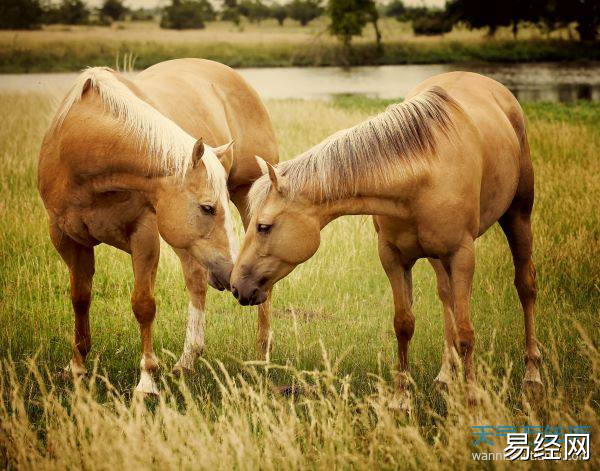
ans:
x=63 y=56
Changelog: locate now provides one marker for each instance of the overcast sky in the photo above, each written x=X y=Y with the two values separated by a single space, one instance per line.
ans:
x=153 y=3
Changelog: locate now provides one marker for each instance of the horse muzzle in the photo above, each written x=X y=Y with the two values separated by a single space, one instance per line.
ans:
x=248 y=295
x=219 y=278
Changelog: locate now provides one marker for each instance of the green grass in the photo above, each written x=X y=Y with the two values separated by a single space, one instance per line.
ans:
x=73 y=48
x=338 y=302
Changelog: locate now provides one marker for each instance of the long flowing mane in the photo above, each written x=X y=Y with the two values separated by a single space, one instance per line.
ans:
x=401 y=139
x=160 y=138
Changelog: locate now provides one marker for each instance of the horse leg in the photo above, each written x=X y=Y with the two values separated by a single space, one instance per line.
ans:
x=516 y=224
x=398 y=271
x=80 y=260
x=449 y=354
x=145 y=252
x=264 y=337
x=196 y=282
x=460 y=266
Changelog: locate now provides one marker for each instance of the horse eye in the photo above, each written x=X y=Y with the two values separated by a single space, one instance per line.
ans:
x=264 y=228
x=208 y=209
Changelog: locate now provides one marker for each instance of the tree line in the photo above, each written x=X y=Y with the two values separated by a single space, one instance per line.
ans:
x=348 y=18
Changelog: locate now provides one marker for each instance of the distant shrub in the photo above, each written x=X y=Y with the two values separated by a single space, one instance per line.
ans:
x=395 y=9
x=68 y=12
x=20 y=14
x=431 y=24
x=254 y=10
x=305 y=11
x=142 y=14
x=113 y=9
x=187 y=14
x=280 y=13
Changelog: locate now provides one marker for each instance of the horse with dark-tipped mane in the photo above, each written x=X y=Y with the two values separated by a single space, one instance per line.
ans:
x=435 y=171
x=126 y=160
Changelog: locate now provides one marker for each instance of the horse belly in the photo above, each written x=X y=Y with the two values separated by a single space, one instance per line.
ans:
x=499 y=181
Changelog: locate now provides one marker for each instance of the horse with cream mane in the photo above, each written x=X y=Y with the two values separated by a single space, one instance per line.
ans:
x=126 y=160
x=435 y=171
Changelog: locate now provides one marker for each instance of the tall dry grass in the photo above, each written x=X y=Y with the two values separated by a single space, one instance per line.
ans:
x=332 y=324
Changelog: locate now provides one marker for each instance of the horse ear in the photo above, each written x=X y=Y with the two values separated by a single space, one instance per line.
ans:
x=198 y=152
x=221 y=152
x=274 y=176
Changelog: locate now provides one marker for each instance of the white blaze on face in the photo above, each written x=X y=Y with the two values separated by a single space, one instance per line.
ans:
x=194 y=337
x=234 y=248
x=217 y=177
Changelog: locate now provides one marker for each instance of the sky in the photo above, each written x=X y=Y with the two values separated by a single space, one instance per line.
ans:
x=154 y=3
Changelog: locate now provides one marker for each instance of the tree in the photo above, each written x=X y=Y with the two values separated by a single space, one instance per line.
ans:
x=230 y=12
x=349 y=17
x=478 y=14
x=187 y=14
x=254 y=10
x=20 y=14
x=113 y=9
x=395 y=9
x=70 y=12
x=280 y=13
x=587 y=15
x=305 y=11
x=433 y=23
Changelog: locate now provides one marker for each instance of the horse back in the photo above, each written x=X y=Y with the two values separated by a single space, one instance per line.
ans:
x=210 y=100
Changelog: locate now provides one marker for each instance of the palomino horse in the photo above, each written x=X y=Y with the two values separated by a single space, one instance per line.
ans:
x=436 y=171
x=120 y=165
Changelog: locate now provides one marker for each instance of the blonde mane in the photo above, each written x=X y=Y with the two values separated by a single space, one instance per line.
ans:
x=399 y=140
x=161 y=138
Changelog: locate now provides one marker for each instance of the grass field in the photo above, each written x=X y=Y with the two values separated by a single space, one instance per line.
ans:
x=72 y=48
x=333 y=331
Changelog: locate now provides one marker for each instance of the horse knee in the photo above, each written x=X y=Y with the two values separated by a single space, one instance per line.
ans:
x=466 y=340
x=81 y=302
x=525 y=277
x=404 y=325
x=144 y=308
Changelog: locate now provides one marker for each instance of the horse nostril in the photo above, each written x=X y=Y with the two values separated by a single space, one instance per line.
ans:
x=235 y=292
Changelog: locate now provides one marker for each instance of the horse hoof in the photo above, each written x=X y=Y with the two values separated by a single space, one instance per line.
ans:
x=181 y=371
x=402 y=403
x=70 y=374
x=533 y=388
x=442 y=383
x=146 y=386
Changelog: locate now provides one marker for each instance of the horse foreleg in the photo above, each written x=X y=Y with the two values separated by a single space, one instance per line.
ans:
x=264 y=328
x=80 y=260
x=264 y=337
x=196 y=283
x=449 y=354
x=145 y=252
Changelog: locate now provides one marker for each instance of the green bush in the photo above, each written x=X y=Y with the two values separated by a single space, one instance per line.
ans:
x=432 y=24
x=20 y=14
x=187 y=14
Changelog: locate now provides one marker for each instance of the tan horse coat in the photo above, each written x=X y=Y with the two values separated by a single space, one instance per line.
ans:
x=436 y=172
x=121 y=163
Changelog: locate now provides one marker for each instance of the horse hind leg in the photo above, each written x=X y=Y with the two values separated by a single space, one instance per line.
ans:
x=80 y=260
x=450 y=358
x=516 y=224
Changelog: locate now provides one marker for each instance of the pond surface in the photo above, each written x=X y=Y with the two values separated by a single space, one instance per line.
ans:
x=558 y=82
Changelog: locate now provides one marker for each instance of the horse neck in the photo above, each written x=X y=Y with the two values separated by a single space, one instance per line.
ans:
x=356 y=205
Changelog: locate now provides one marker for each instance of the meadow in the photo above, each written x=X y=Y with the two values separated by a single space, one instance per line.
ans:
x=333 y=337
x=70 y=48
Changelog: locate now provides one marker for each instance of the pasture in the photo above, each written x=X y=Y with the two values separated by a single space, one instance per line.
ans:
x=333 y=337
x=69 y=48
